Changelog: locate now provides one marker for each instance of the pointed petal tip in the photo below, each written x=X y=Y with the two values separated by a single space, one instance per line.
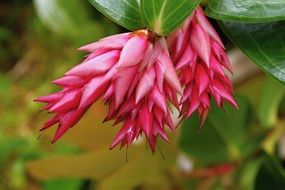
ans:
x=55 y=139
x=105 y=120
x=40 y=99
x=36 y=100
x=42 y=129
x=56 y=81
x=85 y=48
x=208 y=64
x=112 y=146
x=233 y=103
x=236 y=105
x=137 y=99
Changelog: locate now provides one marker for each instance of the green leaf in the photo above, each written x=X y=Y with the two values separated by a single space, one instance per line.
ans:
x=271 y=97
x=222 y=136
x=248 y=173
x=130 y=175
x=263 y=43
x=164 y=16
x=271 y=175
x=58 y=184
x=90 y=165
x=247 y=10
x=124 y=12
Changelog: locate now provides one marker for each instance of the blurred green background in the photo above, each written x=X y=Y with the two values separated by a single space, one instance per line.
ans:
x=38 y=42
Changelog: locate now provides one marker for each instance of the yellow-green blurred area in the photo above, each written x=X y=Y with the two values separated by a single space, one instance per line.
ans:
x=38 y=42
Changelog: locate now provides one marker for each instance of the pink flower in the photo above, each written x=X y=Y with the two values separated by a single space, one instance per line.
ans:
x=135 y=76
x=198 y=54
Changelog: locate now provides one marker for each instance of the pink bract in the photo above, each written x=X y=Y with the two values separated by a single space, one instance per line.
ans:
x=200 y=59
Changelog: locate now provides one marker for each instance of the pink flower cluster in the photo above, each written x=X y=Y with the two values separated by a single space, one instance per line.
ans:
x=199 y=58
x=139 y=75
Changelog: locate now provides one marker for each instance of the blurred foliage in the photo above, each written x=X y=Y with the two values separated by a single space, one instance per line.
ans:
x=225 y=132
x=235 y=149
x=270 y=175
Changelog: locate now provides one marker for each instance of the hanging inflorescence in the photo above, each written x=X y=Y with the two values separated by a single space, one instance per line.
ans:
x=139 y=75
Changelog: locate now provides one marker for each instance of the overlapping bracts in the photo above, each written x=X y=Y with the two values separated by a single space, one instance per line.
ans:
x=134 y=75
x=138 y=74
x=200 y=59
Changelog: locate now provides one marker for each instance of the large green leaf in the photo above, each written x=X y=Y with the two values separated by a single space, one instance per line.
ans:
x=164 y=16
x=124 y=12
x=263 y=43
x=271 y=97
x=247 y=10
x=221 y=138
